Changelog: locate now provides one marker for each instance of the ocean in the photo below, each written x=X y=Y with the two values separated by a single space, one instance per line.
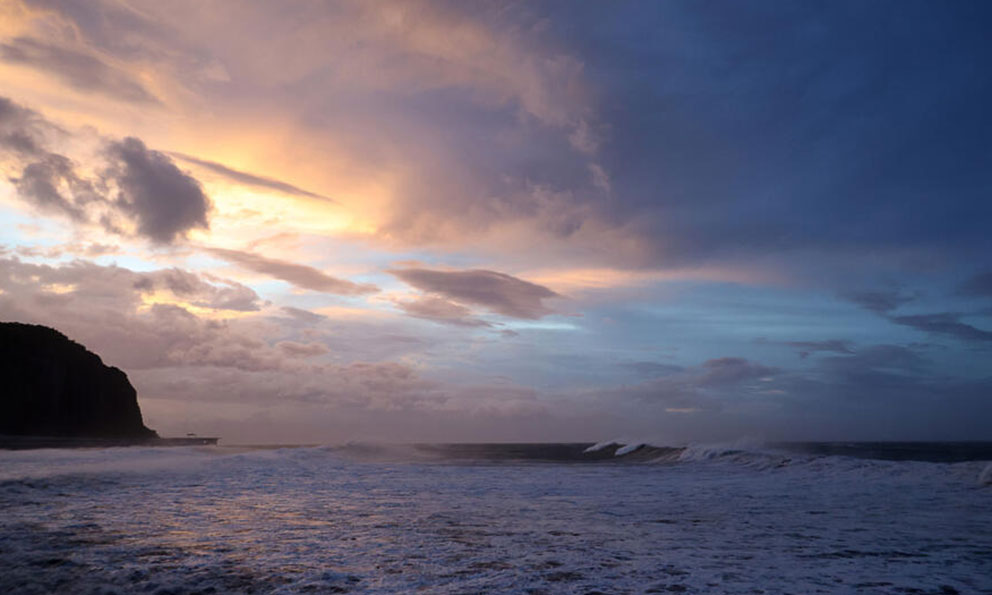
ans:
x=549 y=518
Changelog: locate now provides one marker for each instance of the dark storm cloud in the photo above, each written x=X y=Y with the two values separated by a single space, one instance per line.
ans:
x=165 y=202
x=440 y=310
x=251 y=179
x=297 y=274
x=80 y=70
x=743 y=128
x=944 y=323
x=498 y=292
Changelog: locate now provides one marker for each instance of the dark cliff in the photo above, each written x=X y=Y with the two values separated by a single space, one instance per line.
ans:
x=52 y=386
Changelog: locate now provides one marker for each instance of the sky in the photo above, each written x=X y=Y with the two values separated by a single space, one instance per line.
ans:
x=331 y=221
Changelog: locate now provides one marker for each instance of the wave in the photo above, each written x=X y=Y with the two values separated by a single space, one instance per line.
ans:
x=819 y=457
x=985 y=477
x=823 y=458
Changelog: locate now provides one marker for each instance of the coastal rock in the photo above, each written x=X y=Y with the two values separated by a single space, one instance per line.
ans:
x=53 y=386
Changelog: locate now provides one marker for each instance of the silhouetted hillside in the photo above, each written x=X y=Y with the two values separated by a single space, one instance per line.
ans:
x=52 y=386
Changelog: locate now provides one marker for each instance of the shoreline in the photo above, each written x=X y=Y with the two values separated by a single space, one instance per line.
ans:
x=36 y=442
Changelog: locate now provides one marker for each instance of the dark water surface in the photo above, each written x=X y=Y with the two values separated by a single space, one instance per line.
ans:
x=537 y=518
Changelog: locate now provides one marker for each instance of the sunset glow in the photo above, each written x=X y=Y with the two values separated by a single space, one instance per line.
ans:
x=438 y=221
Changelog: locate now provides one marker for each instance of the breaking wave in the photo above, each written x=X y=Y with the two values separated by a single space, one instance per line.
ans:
x=820 y=457
x=974 y=458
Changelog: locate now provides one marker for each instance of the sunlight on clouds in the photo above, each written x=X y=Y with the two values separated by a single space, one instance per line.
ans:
x=151 y=299
x=242 y=215
x=12 y=18
x=59 y=288
x=582 y=279
x=269 y=146
x=80 y=109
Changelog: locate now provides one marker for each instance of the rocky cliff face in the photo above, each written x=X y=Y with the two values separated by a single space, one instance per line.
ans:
x=52 y=386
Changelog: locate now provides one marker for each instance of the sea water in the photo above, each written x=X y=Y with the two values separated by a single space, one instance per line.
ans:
x=490 y=518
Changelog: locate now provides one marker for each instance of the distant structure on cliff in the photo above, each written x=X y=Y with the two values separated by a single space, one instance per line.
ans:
x=52 y=386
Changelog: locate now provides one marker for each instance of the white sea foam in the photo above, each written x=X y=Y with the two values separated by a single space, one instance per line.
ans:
x=47 y=463
x=623 y=450
x=314 y=519
x=605 y=444
x=985 y=477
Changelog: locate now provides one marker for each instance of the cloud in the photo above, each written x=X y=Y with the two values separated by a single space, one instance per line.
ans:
x=709 y=386
x=210 y=291
x=302 y=350
x=77 y=69
x=876 y=359
x=652 y=369
x=142 y=320
x=52 y=185
x=978 y=286
x=944 y=323
x=119 y=288
x=876 y=170
x=947 y=324
x=880 y=302
x=251 y=179
x=21 y=129
x=831 y=346
x=297 y=274
x=136 y=183
x=498 y=292
x=263 y=364
x=304 y=316
x=173 y=355
x=726 y=371
x=440 y=310
x=84 y=249
x=881 y=392
x=47 y=180
x=166 y=202
x=850 y=167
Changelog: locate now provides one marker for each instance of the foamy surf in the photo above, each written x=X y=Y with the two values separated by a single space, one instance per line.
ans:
x=494 y=518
